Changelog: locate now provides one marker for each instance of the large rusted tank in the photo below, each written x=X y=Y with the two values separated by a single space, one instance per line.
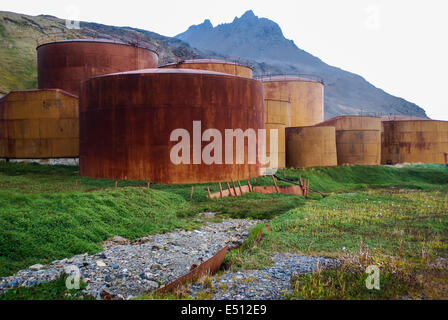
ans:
x=414 y=141
x=311 y=147
x=277 y=116
x=39 y=124
x=223 y=66
x=127 y=119
x=305 y=95
x=65 y=64
x=358 y=139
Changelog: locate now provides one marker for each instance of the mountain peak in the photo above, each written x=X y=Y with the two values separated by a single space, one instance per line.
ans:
x=248 y=36
x=204 y=26
x=207 y=24
x=248 y=15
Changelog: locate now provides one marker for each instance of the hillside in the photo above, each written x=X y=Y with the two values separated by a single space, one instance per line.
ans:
x=262 y=40
x=20 y=34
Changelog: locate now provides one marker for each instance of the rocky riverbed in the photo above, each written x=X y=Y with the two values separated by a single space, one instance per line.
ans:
x=267 y=284
x=127 y=269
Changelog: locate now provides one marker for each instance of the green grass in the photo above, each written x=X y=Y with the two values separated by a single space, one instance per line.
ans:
x=404 y=223
x=348 y=282
x=18 y=40
x=351 y=178
x=44 y=227
x=44 y=216
x=54 y=290
x=18 y=66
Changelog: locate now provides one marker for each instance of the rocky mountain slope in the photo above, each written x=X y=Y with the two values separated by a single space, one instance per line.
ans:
x=262 y=40
x=259 y=40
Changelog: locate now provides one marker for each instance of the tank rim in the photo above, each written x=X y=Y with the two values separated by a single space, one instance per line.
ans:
x=40 y=90
x=326 y=122
x=208 y=60
x=314 y=127
x=156 y=71
x=417 y=120
x=279 y=100
x=104 y=41
x=291 y=78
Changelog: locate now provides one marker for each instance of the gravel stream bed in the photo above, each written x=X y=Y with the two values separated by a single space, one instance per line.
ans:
x=267 y=284
x=127 y=269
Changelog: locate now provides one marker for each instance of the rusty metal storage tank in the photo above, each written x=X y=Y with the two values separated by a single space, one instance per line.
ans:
x=65 y=64
x=127 y=119
x=414 y=141
x=311 y=147
x=222 y=66
x=277 y=116
x=305 y=94
x=358 y=139
x=39 y=124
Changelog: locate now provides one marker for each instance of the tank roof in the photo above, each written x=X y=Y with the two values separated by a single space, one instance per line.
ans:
x=329 y=121
x=94 y=41
x=415 y=120
x=203 y=61
x=38 y=90
x=304 y=77
x=169 y=71
x=402 y=118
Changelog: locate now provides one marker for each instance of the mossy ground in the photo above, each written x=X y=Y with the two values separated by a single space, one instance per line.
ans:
x=397 y=212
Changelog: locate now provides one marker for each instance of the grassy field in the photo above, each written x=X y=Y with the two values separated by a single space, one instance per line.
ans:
x=44 y=216
x=372 y=212
x=404 y=232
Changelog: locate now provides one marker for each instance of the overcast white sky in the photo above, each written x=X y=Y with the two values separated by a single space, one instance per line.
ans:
x=400 y=46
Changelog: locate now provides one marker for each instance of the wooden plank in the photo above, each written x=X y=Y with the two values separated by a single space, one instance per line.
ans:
x=228 y=186
x=220 y=189
x=239 y=184
x=229 y=193
x=275 y=184
x=234 y=188
x=209 y=193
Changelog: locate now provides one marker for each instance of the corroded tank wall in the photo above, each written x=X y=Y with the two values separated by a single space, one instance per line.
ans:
x=414 y=141
x=39 y=124
x=361 y=147
x=65 y=64
x=126 y=121
x=213 y=65
x=277 y=115
x=281 y=147
x=306 y=97
x=358 y=139
x=311 y=147
x=277 y=111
